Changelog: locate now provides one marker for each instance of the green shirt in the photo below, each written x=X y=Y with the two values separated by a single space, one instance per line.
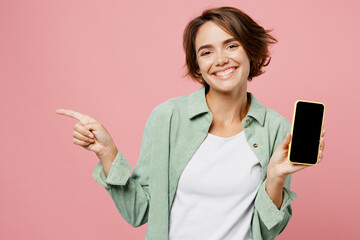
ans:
x=173 y=132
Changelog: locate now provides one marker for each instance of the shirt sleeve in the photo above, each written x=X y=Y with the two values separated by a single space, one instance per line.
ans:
x=130 y=194
x=118 y=175
x=269 y=221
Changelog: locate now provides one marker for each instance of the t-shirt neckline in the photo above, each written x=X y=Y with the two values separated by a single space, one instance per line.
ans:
x=226 y=138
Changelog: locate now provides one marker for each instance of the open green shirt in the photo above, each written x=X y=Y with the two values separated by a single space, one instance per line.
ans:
x=173 y=132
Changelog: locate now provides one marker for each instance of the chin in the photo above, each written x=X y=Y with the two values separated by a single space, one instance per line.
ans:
x=227 y=86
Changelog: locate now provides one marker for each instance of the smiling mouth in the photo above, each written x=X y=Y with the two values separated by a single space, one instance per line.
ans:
x=225 y=74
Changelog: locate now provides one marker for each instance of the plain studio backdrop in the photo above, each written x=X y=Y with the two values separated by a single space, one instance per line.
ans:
x=117 y=60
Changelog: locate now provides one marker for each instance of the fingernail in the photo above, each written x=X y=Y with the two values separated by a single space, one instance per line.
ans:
x=91 y=135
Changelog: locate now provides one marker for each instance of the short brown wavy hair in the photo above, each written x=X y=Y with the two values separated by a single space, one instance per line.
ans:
x=254 y=39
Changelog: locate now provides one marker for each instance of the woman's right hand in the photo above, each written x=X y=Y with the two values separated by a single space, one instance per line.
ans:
x=90 y=134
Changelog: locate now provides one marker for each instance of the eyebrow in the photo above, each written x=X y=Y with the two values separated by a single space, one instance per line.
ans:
x=209 y=45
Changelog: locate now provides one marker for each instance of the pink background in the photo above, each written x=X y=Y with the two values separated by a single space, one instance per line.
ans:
x=116 y=61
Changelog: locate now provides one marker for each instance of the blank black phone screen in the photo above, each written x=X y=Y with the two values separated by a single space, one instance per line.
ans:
x=306 y=132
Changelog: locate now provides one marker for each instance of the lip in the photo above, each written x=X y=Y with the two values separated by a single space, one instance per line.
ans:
x=227 y=76
x=224 y=69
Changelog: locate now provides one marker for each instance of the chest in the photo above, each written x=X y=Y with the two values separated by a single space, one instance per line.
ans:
x=186 y=140
x=221 y=167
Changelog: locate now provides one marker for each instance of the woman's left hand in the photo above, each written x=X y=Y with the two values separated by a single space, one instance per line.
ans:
x=279 y=166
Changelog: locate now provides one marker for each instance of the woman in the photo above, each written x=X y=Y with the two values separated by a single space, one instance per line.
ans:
x=213 y=163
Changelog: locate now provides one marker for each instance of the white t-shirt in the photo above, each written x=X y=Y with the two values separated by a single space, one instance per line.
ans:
x=216 y=192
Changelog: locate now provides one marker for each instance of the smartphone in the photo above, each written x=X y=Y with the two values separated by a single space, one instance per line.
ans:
x=306 y=131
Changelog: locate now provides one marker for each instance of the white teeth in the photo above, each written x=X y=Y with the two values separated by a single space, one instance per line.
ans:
x=225 y=72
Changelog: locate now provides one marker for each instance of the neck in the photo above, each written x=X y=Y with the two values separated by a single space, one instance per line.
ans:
x=228 y=108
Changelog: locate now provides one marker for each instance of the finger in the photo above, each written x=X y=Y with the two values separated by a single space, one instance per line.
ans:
x=286 y=141
x=81 y=143
x=81 y=129
x=320 y=156
x=321 y=149
x=323 y=133
x=93 y=126
x=79 y=116
x=69 y=113
x=322 y=144
x=81 y=137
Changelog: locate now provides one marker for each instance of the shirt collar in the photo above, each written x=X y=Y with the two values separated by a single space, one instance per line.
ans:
x=198 y=105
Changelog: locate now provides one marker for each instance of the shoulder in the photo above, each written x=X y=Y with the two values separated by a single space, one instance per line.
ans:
x=273 y=116
x=176 y=106
x=171 y=106
x=268 y=118
x=276 y=122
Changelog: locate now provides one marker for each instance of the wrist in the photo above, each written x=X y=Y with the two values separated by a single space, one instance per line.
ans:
x=275 y=183
x=107 y=154
x=275 y=180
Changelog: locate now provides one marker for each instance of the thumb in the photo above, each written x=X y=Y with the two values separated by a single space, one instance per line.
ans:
x=93 y=126
x=285 y=142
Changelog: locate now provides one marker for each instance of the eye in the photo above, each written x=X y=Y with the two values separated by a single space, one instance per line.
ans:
x=233 y=46
x=205 y=53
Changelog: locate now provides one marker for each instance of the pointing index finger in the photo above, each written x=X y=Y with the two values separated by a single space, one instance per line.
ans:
x=70 y=113
x=79 y=116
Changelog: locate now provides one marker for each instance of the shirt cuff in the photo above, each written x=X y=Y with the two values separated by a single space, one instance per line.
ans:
x=118 y=175
x=268 y=211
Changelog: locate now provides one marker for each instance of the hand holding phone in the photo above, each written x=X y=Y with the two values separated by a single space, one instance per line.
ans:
x=306 y=132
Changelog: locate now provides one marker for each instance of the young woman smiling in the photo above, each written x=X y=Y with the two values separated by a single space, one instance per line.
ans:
x=213 y=163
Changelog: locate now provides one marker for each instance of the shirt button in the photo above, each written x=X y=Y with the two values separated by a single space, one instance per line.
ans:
x=247 y=121
x=255 y=145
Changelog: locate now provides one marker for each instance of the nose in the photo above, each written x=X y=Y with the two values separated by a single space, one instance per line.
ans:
x=221 y=59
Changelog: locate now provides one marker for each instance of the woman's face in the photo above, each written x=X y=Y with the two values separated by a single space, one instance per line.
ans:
x=223 y=62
